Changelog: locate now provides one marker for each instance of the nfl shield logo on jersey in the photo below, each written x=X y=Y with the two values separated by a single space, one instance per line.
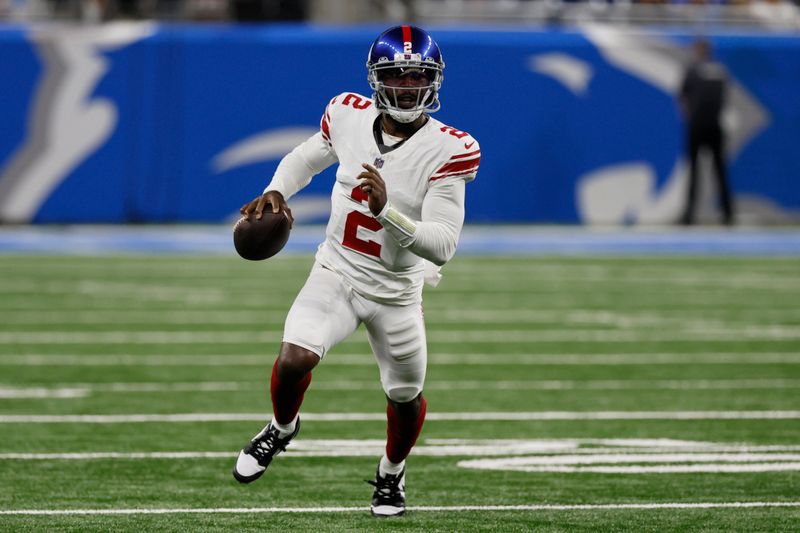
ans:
x=378 y=162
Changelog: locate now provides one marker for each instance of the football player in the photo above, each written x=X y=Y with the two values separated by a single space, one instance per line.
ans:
x=397 y=209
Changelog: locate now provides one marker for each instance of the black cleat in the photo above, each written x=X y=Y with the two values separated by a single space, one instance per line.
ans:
x=254 y=458
x=389 y=496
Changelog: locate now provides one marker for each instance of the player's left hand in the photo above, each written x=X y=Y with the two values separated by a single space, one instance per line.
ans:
x=374 y=186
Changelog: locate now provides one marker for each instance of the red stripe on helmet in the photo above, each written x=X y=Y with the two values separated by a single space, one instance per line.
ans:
x=406 y=34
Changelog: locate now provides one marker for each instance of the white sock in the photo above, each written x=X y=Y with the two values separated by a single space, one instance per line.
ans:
x=388 y=467
x=284 y=430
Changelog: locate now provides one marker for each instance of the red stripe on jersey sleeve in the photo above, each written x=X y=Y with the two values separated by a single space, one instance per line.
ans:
x=459 y=166
x=455 y=174
x=468 y=154
x=461 y=173
x=323 y=125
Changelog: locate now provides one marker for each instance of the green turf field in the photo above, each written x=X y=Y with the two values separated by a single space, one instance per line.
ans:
x=574 y=393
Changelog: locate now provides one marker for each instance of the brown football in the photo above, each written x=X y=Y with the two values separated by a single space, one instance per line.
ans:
x=260 y=239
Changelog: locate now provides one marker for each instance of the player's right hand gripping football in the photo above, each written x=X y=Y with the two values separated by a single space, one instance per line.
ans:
x=272 y=198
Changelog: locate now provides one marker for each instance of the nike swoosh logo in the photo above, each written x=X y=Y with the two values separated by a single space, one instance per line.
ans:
x=468 y=146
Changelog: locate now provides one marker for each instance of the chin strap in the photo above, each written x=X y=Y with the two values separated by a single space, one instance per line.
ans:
x=404 y=117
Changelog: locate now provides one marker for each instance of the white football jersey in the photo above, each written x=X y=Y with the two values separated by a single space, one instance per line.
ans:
x=355 y=244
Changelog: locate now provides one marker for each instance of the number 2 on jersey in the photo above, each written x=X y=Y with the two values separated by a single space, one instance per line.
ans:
x=458 y=134
x=356 y=219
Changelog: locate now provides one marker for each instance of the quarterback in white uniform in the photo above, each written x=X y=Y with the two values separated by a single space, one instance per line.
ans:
x=397 y=209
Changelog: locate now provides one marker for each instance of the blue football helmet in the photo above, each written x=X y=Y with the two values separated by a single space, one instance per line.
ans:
x=400 y=51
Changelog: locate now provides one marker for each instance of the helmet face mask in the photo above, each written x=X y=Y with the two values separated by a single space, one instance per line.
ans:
x=405 y=72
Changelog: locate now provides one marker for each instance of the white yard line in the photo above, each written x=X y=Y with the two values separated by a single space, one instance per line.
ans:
x=91 y=456
x=13 y=393
x=142 y=291
x=435 y=358
x=369 y=417
x=633 y=384
x=81 y=390
x=377 y=450
x=763 y=333
x=456 y=336
x=155 y=288
x=496 y=316
x=496 y=281
x=147 y=360
x=90 y=313
x=621 y=458
x=549 y=451
x=601 y=456
x=707 y=468
x=428 y=508
x=143 y=317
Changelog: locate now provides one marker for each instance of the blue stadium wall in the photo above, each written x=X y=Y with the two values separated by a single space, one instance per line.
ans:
x=137 y=122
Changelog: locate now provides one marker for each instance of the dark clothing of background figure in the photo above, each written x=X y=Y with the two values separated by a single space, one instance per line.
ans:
x=703 y=96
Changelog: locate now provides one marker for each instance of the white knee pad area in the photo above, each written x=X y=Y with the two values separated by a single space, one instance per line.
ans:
x=403 y=394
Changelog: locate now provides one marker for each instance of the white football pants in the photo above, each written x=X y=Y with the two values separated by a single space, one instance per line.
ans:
x=327 y=310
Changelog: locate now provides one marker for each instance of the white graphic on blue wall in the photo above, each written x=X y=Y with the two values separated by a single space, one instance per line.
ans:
x=67 y=124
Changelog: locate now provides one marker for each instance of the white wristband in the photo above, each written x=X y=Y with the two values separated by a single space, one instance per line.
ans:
x=397 y=224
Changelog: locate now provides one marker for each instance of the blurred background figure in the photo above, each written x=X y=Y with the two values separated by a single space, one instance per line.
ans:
x=702 y=98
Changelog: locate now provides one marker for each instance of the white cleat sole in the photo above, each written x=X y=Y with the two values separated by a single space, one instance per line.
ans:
x=387 y=510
